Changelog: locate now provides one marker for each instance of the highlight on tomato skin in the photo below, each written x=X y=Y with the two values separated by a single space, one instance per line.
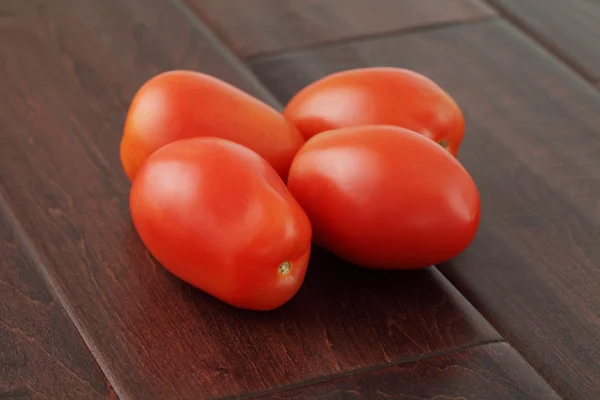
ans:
x=378 y=96
x=217 y=215
x=385 y=197
x=181 y=104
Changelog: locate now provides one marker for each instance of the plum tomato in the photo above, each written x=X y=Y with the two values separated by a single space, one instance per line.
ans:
x=385 y=197
x=182 y=104
x=378 y=96
x=218 y=216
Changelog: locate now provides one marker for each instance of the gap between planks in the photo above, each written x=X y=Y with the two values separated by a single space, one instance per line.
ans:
x=229 y=55
x=546 y=45
x=56 y=291
x=372 y=368
x=274 y=55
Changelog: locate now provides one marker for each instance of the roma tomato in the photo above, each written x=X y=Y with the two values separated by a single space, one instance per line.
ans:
x=385 y=197
x=218 y=216
x=378 y=96
x=182 y=104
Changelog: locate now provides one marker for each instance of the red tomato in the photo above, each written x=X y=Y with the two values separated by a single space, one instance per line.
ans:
x=378 y=96
x=218 y=216
x=385 y=197
x=183 y=104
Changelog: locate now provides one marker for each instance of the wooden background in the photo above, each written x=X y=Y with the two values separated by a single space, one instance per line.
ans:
x=85 y=312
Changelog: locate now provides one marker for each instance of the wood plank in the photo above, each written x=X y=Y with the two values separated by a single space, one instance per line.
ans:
x=274 y=25
x=569 y=28
x=533 y=147
x=42 y=355
x=67 y=77
x=491 y=372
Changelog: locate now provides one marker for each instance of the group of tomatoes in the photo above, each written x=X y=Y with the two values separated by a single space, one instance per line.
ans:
x=228 y=193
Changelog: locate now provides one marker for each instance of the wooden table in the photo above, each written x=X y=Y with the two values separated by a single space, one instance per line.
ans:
x=86 y=313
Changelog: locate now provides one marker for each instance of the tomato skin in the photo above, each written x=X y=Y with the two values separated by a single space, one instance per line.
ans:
x=219 y=217
x=378 y=96
x=385 y=197
x=182 y=104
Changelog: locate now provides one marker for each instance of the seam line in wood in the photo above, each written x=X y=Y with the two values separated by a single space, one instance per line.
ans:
x=227 y=54
x=370 y=368
x=513 y=20
x=505 y=340
x=57 y=293
x=279 y=54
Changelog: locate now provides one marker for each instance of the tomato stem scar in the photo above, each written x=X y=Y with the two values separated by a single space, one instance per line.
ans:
x=444 y=143
x=285 y=268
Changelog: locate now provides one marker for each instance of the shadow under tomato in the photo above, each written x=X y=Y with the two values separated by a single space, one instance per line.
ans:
x=338 y=295
x=330 y=283
x=343 y=317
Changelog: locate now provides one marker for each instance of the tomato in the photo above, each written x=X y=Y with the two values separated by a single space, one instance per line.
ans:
x=218 y=216
x=385 y=197
x=183 y=104
x=378 y=96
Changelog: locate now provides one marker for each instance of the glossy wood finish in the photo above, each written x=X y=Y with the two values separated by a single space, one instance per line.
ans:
x=571 y=29
x=266 y=26
x=69 y=71
x=532 y=145
x=42 y=355
x=491 y=372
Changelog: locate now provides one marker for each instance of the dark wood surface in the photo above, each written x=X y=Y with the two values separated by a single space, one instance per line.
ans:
x=69 y=71
x=274 y=25
x=491 y=372
x=571 y=29
x=42 y=355
x=79 y=291
x=533 y=148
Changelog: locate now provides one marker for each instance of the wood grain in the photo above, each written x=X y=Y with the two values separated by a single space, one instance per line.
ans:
x=491 y=372
x=533 y=148
x=42 y=355
x=274 y=25
x=571 y=28
x=69 y=71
